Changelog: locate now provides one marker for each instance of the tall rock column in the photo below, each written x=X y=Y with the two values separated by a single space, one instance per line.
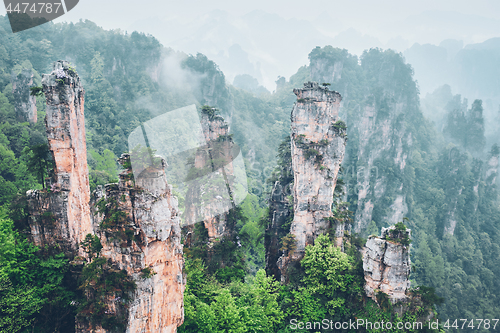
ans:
x=211 y=179
x=138 y=224
x=62 y=213
x=318 y=142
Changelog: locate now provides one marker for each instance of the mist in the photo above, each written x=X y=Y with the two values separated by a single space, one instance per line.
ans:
x=271 y=39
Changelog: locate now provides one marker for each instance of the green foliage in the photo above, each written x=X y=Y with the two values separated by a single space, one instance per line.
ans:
x=235 y=307
x=121 y=95
x=18 y=306
x=35 y=287
x=341 y=215
x=340 y=125
x=340 y=128
x=72 y=71
x=147 y=273
x=224 y=138
x=383 y=301
x=212 y=113
x=465 y=128
x=327 y=272
x=145 y=157
x=101 y=285
x=113 y=216
x=288 y=244
x=39 y=161
x=428 y=295
x=372 y=229
x=399 y=234
x=91 y=245
x=300 y=139
x=224 y=257
x=311 y=152
x=252 y=233
x=36 y=91
x=14 y=175
x=103 y=168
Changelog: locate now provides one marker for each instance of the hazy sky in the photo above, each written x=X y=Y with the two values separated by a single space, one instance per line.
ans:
x=276 y=40
x=120 y=13
x=362 y=14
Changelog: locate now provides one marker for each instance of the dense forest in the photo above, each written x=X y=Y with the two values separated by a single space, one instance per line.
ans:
x=448 y=181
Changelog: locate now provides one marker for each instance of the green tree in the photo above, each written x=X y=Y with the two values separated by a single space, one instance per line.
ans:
x=18 y=306
x=39 y=161
x=103 y=168
x=228 y=319
x=327 y=271
x=264 y=309
x=38 y=275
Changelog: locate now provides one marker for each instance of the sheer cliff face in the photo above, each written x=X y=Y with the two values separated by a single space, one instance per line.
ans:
x=24 y=103
x=379 y=138
x=492 y=169
x=381 y=105
x=62 y=214
x=317 y=148
x=386 y=264
x=148 y=237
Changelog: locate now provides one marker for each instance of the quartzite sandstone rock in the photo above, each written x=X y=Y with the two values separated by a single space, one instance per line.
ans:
x=154 y=242
x=381 y=139
x=24 y=102
x=210 y=196
x=386 y=264
x=318 y=145
x=61 y=214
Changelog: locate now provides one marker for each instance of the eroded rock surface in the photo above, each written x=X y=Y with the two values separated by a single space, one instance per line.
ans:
x=210 y=193
x=384 y=137
x=24 y=103
x=318 y=142
x=143 y=238
x=378 y=112
x=386 y=264
x=149 y=237
x=61 y=214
